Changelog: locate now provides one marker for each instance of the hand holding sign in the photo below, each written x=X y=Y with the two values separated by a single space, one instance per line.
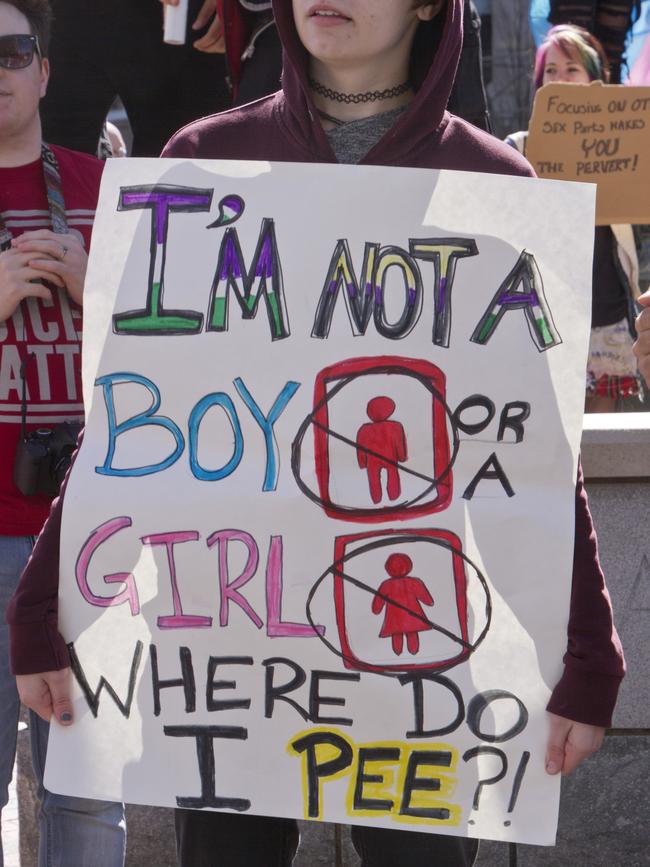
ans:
x=569 y=743
x=47 y=694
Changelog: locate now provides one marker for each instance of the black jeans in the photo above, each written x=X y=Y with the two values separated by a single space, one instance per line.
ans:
x=388 y=847
x=108 y=48
x=210 y=839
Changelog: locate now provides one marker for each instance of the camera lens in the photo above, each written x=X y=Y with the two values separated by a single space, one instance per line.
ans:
x=37 y=449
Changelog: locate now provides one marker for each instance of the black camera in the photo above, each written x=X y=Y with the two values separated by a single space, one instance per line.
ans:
x=43 y=457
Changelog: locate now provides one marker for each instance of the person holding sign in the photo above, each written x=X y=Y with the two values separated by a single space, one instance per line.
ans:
x=48 y=197
x=642 y=344
x=572 y=55
x=610 y=22
x=364 y=81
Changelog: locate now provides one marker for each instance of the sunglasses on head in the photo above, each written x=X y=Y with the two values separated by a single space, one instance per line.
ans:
x=17 y=52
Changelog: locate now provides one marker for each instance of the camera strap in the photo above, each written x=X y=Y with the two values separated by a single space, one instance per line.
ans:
x=55 y=202
x=23 y=399
x=5 y=235
x=56 y=206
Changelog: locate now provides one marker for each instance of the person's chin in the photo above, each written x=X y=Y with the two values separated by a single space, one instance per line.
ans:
x=329 y=51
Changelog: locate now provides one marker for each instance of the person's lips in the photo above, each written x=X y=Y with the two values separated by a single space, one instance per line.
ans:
x=326 y=13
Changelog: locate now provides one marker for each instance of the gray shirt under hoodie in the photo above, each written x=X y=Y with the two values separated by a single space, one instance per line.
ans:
x=352 y=140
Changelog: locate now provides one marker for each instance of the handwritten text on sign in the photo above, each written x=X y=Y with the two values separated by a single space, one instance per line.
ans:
x=600 y=134
x=314 y=562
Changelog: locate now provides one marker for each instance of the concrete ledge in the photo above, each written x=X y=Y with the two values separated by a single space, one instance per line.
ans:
x=616 y=445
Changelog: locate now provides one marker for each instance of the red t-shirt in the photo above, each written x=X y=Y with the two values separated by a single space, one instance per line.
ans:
x=50 y=332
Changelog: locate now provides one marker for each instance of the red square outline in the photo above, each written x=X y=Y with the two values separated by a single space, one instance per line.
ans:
x=460 y=585
x=441 y=447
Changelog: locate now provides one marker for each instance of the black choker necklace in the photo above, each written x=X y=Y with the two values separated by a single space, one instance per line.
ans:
x=368 y=96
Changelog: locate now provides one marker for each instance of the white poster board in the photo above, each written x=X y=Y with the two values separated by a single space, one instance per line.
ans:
x=317 y=543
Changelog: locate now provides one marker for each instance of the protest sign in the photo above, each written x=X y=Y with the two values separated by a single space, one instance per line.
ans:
x=317 y=543
x=600 y=134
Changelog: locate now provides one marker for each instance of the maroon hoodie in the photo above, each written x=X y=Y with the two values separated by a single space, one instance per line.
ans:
x=285 y=127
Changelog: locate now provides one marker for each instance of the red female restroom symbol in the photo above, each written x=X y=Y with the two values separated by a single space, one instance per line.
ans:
x=404 y=614
x=401 y=597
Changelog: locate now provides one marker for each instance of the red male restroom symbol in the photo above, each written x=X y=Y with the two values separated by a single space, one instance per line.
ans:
x=381 y=446
x=403 y=596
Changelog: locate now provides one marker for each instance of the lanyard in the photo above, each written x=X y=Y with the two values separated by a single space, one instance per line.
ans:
x=55 y=202
x=56 y=206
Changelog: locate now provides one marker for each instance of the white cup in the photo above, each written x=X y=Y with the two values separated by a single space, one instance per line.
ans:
x=176 y=23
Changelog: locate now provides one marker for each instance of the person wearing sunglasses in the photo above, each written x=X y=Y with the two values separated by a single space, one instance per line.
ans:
x=48 y=197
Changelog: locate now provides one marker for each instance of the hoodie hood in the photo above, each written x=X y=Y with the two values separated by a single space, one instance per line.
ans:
x=285 y=126
x=434 y=59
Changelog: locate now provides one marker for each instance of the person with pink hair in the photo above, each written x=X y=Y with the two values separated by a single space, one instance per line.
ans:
x=572 y=55
x=608 y=20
